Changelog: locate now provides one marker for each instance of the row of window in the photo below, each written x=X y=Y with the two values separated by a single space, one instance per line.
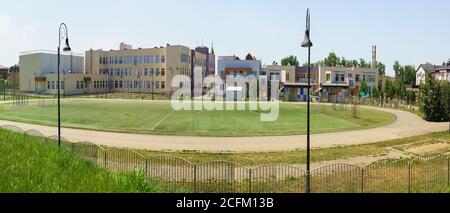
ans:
x=134 y=72
x=138 y=84
x=143 y=59
x=340 y=77
x=52 y=85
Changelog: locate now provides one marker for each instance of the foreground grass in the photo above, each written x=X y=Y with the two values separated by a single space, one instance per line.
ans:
x=159 y=118
x=299 y=156
x=26 y=165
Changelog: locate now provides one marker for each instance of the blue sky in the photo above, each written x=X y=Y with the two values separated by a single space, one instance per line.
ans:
x=412 y=32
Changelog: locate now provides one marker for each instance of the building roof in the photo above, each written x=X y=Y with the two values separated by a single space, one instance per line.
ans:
x=2 y=67
x=443 y=67
x=51 y=52
x=428 y=67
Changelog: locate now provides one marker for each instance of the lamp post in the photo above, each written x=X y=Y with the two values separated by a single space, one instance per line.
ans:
x=65 y=49
x=308 y=44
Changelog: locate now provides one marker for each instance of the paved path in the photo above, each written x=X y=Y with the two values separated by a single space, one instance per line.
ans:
x=407 y=124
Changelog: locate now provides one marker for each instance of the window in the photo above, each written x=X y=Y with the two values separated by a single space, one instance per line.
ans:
x=121 y=60
x=184 y=58
x=157 y=71
x=163 y=59
x=163 y=72
x=120 y=84
x=163 y=84
x=48 y=84
x=350 y=75
x=135 y=59
x=150 y=59
x=157 y=59
x=81 y=84
x=357 y=78
x=62 y=84
x=157 y=85
x=53 y=85
x=370 y=78
x=78 y=85
x=140 y=59
x=328 y=77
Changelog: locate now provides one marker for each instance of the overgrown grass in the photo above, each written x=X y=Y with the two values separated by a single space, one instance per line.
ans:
x=299 y=156
x=27 y=165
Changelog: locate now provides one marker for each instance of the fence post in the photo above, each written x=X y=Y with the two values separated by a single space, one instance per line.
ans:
x=195 y=178
x=409 y=177
x=362 y=179
x=250 y=181
x=105 y=157
x=146 y=167
x=448 y=171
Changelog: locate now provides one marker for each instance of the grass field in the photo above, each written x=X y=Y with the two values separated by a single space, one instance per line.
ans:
x=159 y=118
x=26 y=165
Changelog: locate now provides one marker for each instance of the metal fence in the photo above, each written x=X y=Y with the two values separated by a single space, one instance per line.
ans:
x=415 y=175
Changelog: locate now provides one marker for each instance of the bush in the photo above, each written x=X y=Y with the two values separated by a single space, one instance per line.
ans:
x=434 y=99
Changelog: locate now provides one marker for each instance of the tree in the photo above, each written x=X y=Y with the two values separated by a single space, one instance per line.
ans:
x=363 y=63
x=411 y=97
x=409 y=75
x=363 y=87
x=400 y=89
x=375 y=93
x=381 y=68
x=397 y=69
x=432 y=103
x=389 y=89
x=332 y=60
x=406 y=74
x=290 y=61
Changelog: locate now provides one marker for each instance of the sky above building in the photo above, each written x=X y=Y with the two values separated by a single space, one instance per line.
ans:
x=412 y=32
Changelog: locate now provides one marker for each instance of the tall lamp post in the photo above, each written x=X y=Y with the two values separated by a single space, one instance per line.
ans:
x=308 y=44
x=66 y=48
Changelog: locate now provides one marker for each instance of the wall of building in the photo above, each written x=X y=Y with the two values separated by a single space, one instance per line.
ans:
x=133 y=68
x=37 y=64
x=254 y=65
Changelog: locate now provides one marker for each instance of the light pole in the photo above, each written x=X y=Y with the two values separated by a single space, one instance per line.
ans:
x=308 y=44
x=65 y=49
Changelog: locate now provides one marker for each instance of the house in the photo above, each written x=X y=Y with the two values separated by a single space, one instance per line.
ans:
x=440 y=72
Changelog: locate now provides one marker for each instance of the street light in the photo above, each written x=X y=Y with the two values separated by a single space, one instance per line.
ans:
x=308 y=44
x=65 y=49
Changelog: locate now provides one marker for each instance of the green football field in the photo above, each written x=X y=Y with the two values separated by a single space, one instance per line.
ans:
x=159 y=118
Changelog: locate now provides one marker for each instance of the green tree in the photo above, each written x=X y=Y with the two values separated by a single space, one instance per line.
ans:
x=409 y=75
x=363 y=88
x=290 y=60
x=332 y=60
x=375 y=93
x=432 y=103
x=363 y=63
x=389 y=89
x=381 y=68
x=400 y=89
x=397 y=69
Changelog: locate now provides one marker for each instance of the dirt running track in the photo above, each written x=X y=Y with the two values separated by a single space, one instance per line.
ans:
x=407 y=124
